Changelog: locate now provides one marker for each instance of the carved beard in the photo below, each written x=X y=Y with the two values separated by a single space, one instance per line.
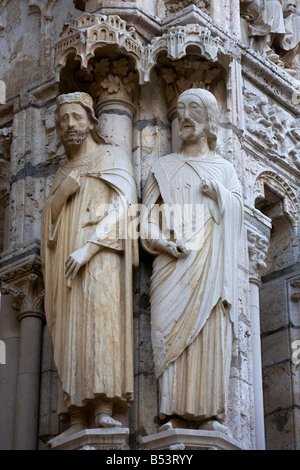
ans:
x=70 y=138
x=193 y=132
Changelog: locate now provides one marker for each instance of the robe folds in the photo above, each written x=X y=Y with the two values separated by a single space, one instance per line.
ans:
x=90 y=318
x=194 y=299
x=291 y=39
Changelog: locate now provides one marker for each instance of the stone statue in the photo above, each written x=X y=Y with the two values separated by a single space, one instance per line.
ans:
x=87 y=266
x=289 y=44
x=193 y=286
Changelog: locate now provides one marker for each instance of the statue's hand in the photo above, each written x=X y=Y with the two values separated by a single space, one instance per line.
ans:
x=207 y=187
x=71 y=183
x=79 y=258
x=175 y=249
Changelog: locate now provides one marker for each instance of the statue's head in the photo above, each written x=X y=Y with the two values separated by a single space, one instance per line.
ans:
x=198 y=116
x=75 y=119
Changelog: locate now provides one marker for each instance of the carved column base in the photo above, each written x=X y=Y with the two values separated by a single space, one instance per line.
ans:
x=93 y=439
x=190 y=439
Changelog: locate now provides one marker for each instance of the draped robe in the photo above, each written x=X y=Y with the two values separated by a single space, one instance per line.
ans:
x=90 y=318
x=193 y=299
x=266 y=17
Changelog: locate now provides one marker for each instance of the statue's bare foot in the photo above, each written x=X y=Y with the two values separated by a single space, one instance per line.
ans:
x=104 y=420
x=166 y=427
x=214 y=425
x=174 y=423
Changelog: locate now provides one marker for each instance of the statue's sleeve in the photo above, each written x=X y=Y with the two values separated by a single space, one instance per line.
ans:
x=150 y=230
x=231 y=207
x=50 y=229
x=110 y=230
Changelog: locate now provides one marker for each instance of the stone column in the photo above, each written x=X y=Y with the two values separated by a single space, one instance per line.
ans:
x=257 y=249
x=10 y=336
x=115 y=117
x=27 y=408
x=25 y=283
x=116 y=81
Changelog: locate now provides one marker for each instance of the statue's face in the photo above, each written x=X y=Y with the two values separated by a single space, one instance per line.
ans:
x=74 y=124
x=192 y=117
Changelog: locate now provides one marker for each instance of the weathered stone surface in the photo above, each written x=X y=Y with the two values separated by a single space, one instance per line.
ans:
x=259 y=133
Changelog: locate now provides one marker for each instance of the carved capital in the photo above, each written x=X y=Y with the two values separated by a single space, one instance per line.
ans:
x=258 y=246
x=23 y=279
x=282 y=189
x=109 y=79
x=188 y=72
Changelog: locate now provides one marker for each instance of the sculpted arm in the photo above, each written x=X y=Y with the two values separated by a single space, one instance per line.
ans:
x=69 y=186
x=158 y=241
x=221 y=193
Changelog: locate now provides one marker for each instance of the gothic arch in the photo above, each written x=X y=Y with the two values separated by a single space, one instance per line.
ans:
x=281 y=188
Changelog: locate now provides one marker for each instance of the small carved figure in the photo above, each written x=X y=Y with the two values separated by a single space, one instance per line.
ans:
x=265 y=21
x=274 y=27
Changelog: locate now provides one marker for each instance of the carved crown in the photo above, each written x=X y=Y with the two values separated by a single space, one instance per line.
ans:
x=75 y=98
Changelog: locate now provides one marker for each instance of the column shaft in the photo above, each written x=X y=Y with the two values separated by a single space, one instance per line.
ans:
x=257 y=365
x=27 y=409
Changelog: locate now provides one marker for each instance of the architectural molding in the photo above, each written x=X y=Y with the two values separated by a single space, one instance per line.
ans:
x=176 y=42
x=93 y=439
x=258 y=245
x=190 y=439
x=93 y=31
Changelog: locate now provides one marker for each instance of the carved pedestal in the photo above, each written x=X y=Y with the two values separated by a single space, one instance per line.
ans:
x=190 y=439
x=93 y=439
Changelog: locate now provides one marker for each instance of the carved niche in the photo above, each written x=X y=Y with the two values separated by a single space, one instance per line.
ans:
x=289 y=205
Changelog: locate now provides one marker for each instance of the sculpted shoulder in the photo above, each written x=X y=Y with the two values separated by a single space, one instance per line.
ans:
x=171 y=157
